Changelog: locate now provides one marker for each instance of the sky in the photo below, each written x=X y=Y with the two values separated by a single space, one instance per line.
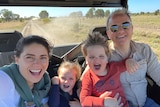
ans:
x=135 y=6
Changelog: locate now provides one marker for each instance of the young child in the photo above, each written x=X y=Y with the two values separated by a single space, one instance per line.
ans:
x=63 y=91
x=101 y=83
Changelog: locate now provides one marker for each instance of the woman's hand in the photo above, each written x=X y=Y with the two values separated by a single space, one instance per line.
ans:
x=113 y=102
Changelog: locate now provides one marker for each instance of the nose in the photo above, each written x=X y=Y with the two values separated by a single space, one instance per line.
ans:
x=120 y=29
x=66 y=81
x=36 y=61
x=96 y=59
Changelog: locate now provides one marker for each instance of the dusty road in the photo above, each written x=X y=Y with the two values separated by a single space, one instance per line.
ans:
x=33 y=28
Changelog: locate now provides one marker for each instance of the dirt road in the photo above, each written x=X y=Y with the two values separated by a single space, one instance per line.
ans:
x=33 y=28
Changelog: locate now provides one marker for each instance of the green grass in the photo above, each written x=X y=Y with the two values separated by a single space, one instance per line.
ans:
x=147 y=30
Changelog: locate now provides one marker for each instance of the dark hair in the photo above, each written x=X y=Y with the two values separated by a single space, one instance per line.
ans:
x=118 y=11
x=95 y=38
x=24 y=41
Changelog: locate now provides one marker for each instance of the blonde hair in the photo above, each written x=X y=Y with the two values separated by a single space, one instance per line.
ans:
x=71 y=65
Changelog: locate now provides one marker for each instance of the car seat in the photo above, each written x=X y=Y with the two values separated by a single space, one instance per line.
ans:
x=8 y=43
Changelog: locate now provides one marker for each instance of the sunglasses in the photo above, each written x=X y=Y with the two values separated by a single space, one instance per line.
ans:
x=125 y=25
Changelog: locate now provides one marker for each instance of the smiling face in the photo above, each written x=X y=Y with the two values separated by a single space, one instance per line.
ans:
x=97 y=59
x=122 y=36
x=33 y=62
x=67 y=79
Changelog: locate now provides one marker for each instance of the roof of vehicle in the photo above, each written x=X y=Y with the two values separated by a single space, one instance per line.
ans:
x=65 y=3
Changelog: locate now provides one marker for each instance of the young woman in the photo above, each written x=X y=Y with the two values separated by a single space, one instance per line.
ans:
x=26 y=83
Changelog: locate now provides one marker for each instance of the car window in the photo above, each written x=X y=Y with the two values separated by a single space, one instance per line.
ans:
x=60 y=25
x=67 y=24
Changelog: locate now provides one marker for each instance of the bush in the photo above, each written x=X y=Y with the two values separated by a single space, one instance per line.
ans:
x=21 y=19
x=1 y=20
x=46 y=20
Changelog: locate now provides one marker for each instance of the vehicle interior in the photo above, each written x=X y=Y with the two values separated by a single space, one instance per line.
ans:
x=70 y=51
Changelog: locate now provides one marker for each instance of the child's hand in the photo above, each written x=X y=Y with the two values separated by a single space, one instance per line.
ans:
x=75 y=103
x=105 y=94
x=131 y=65
x=55 y=80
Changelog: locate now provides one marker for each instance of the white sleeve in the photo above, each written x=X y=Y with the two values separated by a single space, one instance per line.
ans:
x=6 y=90
x=6 y=84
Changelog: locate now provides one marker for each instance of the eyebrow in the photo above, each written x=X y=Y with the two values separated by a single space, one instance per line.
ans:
x=125 y=22
x=114 y=25
x=29 y=55
x=122 y=23
x=33 y=55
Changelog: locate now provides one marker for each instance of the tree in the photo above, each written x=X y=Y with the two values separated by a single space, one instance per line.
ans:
x=43 y=14
x=90 y=13
x=7 y=15
x=107 y=12
x=99 y=13
x=16 y=16
x=156 y=12
x=142 y=13
x=148 y=13
x=93 y=9
x=76 y=14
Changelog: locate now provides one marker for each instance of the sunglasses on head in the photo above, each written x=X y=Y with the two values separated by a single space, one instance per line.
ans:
x=125 y=25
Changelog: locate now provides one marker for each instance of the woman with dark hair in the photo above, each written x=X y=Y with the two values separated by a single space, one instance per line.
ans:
x=26 y=81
